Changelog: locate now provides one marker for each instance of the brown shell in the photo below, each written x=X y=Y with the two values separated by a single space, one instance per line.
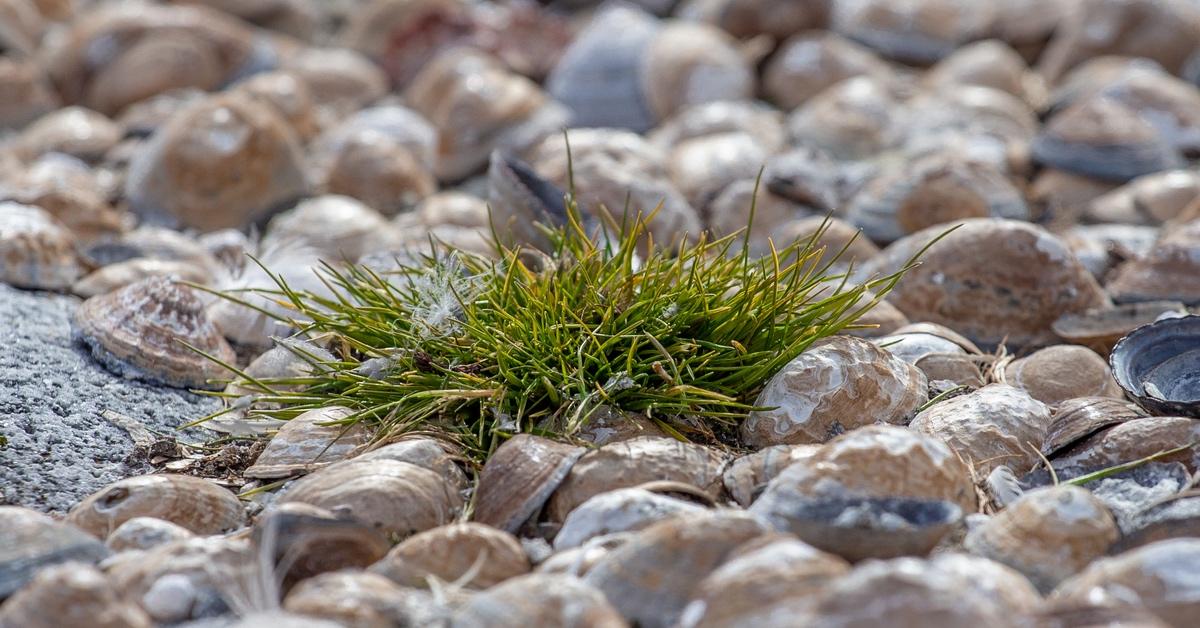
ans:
x=28 y=93
x=688 y=63
x=1148 y=200
x=71 y=594
x=991 y=280
x=307 y=443
x=1062 y=196
x=1060 y=372
x=32 y=541
x=341 y=81
x=37 y=251
x=364 y=600
x=913 y=32
x=746 y=18
x=198 y=571
x=1100 y=329
x=701 y=168
x=404 y=37
x=70 y=192
x=379 y=173
x=539 y=600
x=855 y=119
x=222 y=162
x=1170 y=271
x=835 y=386
x=620 y=511
x=809 y=62
x=832 y=235
x=75 y=131
x=142 y=533
x=1131 y=440
x=289 y=95
x=989 y=63
x=519 y=478
x=116 y=276
x=747 y=476
x=959 y=368
x=1076 y=419
x=1103 y=138
x=397 y=498
x=609 y=425
x=196 y=504
x=633 y=462
x=423 y=452
x=993 y=426
x=577 y=561
x=305 y=541
x=470 y=554
x=1158 y=576
x=1048 y=534
x=651 y=578
x=139 y=332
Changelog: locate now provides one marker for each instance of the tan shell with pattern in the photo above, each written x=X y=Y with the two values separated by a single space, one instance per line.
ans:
x=196 y=504
x=469 y=554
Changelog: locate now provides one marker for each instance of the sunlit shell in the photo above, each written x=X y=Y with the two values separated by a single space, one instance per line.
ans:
x=71 y=594
x=988 y=63
x=141 y=119
x=309 y=442
x=807 y=63
x=378 y=172
x=765 y=578
x=747 y=476
x=28 y=93
x=688 y=63
x=1101 y=247
x=341 y=81
x=151 y=330
x=304 y=541
x=1103 y=138
x=752 y=118
x=1062 y=372
x=75 y=131
x=995 y=425
x=1129 y=441
x=196 y=504
x=972 y=123
x=1156 y=576
x=71 y=192
x=1167 y=272
x=854 y=119
x=917 y=340
x=774 y=216
x=747 y=18
x=519 y=478
x=913 y=31
x=397 y=498
x=404 y=37
x=142 y=533
x=472 y=555
x=622 y=510
x=991 y=280
x=423 y=452
x=1000 y=584
x=121 y=274
x=701 y=168
x=152 y=243
x=224 y=162
x=1147 y=200
x=651 y=578
x=340 y=227
x=37 y=251
x=185 y=579
x=289 y=95
x=1048 y=534
x=1076 y=419
x=32 y=541
x=364 y=599
x=539 y=600
x=1156 y=365
x=633 y=462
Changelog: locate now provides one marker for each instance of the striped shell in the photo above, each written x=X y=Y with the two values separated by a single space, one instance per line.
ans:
x=196 y=504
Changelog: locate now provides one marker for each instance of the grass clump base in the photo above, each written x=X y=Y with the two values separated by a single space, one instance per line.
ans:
x=478 y=348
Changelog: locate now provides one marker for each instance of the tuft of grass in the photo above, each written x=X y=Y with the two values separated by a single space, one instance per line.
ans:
x=477 y=348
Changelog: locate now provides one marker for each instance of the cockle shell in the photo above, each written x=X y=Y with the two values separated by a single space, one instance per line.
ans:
x=32 y=541
x=651 y=578
x=223 y=162
x=143 y=533
x=1167 y=272
x=834 y=386
x=1047 y=534
x=71 y=594
x=633 y=462
x=340 y=227
x=538 y=600
x=365 y=600
x=307 y=443
x=1131 y=440
x=689 y=63
x=1079 y=418
x=196 y=504
x=854 y=119
x=810 y=62
x=139 y=332
x=71 y=192
x=304 y=541
x=1156 y=576
x=469 y=554
x=1100 y=329
x=1156 y=365
x=1148 y=200
x=519 y=477
x=27 y=92
x=1062 y=372
x=622 y=510
x=913 y=31
x=1103 y=138
x=37 y=251
x=747 y=476
x=995 y=425
x=75 y=131
x=121 y=274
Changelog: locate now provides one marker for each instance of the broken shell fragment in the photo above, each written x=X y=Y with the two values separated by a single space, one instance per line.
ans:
x=71 y=594
x=1076 y=419
x=32 y=541
x=152 y=330
x=470 y=555
x=993 y=426
x=1157 y=365
x=1062 y=372
x=747 y=476
x=308 y=442
x=37 y=251
x=196 y=504
x=519 y=477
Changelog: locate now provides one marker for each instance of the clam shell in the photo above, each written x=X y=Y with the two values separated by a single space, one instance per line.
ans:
x=1104 y=613
x=1168 y=271
x=995 y=425
x=37 y=250
x=378 y=172
x=309 y=442
x=747 y=18
x=1128 y=441
x=633 y=462
x=609 y=425
x=1077 y=419
x=1047 y=534
x=577 y=561
x=116 y=276
x=32 y=541
x=1100 y=329
x=341 y=81
x=831 y=234
x=1062 y=372
x=403 y=37
x=71 y=192
x=759 y=121
x=521 y=200
x=539 y=600
x=835 y=386
x=1062 y=197
x=29 y=94
x=808 y=177
x=1105 y=139
x=289 y=95
x=469 y=554
x=304 y=541
x=139 y=332
x=1156 y=365
x=990 y=63
x=364 y=599
x=142 y=533
x=153 y=243
x=688 y=63
x=196 y=504
x=71 y=594
x=807 y=63
x=701 y=168
x=340 y=227
x=519 y=478
x=75 y=131
x=854 y=119
x=1147 y=200
x=622 y=510
x=397 y=498
x=183 y=580
x=918 y=32
x=747 y=476
x=423 y=452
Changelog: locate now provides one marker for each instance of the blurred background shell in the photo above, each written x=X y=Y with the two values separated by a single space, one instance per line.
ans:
x=912 y=31
x=38 y=251
x=808 y=63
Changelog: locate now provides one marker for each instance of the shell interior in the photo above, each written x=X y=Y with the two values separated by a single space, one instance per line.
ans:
x=1158 y=365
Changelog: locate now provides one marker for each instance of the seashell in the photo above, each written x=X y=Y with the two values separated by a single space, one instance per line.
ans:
x=447 y=208
x=182 y=580
x=1026 y=25
x=297 y=18
x=1108 y=612
x=74 y=131
x=1079 y=418
x=1100 y=329
x=38 y=251
x=396 y=498
x=224 y=162
x=116 y=276
x=518 y=479
x=1103 y=138
x=309 y=442
x=1172 y=517
x=834 y=236
x=423 y=452
x=1100 y=247
x=917 y=32
x=808 y=63
x=577 y=561
x=1155 y=576
x=289 y=95
x=701 y=168
x=364 y=599
x=632 y=462
x=527 y=37
x=196 y=504
x=917 y=340
x=71 y=594
x=1062 y=197
x=141 y=119
x=1060 y=372
x=405 y=37
x=622 y=510
x=1167 y=103
x=991 y=63
x=28 y=93
x=835 y=386
x=752 y=118
x=1001 y=584
x=971 y=123
x=609 y=425
x=748 y=18
x=689 y=63
x=468 y=554
x=1166 y=272
x=477 y=106
x=519 y=199
x=1048 y=534
x=281 y=619
x=70 y=192
x=1155 y=365
x=1130 y=440
x=995 y=425
x=33 y=541
x=747 y=476
x=764 y=578
x=650 y=579
x=150 y=330
x=1148 y=200
x=1130 y=493
x=1092 y=75
x=341 y=81
x=993 y=280
x=378 y=172
x=339 y=227
x=808 y=177
x=538 y=600
x=932 y=191
x=304 y=541
x=854 y=119
x=143 y=533
x=291 y=358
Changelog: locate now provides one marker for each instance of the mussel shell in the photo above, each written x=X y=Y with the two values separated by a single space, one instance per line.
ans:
x=1104 y=139
x=1076 y=419
x=1165 y=355
x=1100 y=329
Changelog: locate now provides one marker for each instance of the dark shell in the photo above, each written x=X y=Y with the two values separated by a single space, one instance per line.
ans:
x=1076 y=419
x=305 y=541
x=1158 y=365
x=1104 y=139
x=518 y=479
x=1173 y=517
x=1101 y=328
